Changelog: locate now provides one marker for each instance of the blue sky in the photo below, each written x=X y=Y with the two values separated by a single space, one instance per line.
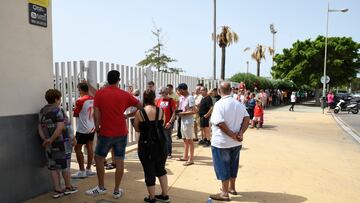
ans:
x=120 y=31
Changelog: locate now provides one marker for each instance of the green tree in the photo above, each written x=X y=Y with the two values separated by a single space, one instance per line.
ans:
x=156 y=58
x=224 y=39
x=304 y=62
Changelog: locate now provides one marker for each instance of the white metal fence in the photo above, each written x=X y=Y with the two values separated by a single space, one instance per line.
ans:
x=95 y=73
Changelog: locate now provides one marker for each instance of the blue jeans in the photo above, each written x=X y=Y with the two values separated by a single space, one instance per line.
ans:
x=167 y=133
x=226 y=162
x=104 y=144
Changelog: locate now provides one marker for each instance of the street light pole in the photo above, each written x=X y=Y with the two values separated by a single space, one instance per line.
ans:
x=273 y=31
x=325 y=56
x=214 y=40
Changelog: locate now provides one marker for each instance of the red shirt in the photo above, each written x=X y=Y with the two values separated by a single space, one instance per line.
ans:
x=164 y=105
x=112 y=103
x=258 y=111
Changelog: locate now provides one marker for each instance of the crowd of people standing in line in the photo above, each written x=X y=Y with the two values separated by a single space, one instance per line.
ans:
x=220 y=115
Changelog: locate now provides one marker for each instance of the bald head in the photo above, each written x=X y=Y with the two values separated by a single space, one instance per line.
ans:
x=225 y=88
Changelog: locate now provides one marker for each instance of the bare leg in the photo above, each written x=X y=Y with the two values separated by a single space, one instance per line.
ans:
x=186 y=149
x=207 y=133
x=191 y=146
x=55 y=176
x=225 y=187
x=112 y=156
x=100 y=170
x=232 y=185
x=66 y=176
x=90 y=151
x=119 y=173
x=164 y=184
x=151 y=191
x=79 y=156
x=195 y=129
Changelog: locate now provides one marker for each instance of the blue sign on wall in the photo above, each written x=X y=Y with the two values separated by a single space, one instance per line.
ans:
x=37 y=15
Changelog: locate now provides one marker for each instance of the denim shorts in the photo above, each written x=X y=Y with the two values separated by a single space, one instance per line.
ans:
x=104 y=144
x=226 y=162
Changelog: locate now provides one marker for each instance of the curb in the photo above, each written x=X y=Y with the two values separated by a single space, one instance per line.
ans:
x=348 y=129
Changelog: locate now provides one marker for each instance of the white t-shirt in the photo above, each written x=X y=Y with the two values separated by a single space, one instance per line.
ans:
x=84 y=114
x=232 y=113
x=132 y=108
x=184 y=104
x=293 y=98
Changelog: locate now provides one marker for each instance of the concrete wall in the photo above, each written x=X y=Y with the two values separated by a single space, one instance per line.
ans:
x=25 y=74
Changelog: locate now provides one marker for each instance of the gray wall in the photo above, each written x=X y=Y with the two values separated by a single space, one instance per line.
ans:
x=22 y=159
x=26 y=63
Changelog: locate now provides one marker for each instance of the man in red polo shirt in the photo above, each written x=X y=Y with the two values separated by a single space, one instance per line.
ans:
x=110 y=104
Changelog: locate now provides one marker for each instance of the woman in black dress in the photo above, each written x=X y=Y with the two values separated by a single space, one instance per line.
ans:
x=152 y=149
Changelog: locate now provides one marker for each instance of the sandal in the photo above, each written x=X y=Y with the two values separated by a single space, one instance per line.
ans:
x=233 y=192
x=182 y=159
x=110 y=166
x=57 y=194
x=188 y=163
x=219 y=197
x=70 y=190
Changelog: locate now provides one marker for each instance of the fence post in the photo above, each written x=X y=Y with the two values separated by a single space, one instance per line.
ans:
x=70 y=98
x=75 y=75
x=63 y=85
x=92 y=73
x=57 y=79
x=122 y=81
x=82 y=70
x=101 y=71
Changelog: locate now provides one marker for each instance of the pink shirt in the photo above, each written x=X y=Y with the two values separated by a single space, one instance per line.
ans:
x=330 y=98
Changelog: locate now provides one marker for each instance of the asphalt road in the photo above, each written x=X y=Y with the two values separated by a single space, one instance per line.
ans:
x=353 y=120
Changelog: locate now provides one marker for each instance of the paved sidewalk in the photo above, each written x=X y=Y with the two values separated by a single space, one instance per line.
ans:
x=301 y=156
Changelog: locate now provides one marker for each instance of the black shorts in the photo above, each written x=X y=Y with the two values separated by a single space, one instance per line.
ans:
x=204 y=122
x=82 y=138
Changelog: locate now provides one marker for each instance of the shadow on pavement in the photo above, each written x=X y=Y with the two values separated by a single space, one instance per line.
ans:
x=268 y=197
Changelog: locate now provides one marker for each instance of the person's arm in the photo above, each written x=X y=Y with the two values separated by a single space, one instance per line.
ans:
x=135 y=103
x=208 y=114
x=56 y=134
x=41 y=133
x=243 y=128
x=78 y=106
x=223 y=127
x=189 y=111
x=137 y=121
x=97 y=118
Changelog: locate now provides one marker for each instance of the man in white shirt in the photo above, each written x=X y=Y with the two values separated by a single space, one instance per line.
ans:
x=229 y=121
x=187 y=108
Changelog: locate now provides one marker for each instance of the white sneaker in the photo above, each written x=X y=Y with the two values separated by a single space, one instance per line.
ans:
x=96 y=191
x=79 y=174
x=89 y=172
x=118 y=194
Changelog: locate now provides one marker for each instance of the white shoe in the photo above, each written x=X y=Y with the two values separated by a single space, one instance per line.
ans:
x=89 y=172
x=118 y=194
x=96 y=191
x=79 y=174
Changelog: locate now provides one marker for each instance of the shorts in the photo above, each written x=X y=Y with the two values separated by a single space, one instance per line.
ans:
x=226 y=162
x=197 y=120
x=58 y=155
x=104 y=144
x=84 y=138
x=187 y=131
x=204 y=122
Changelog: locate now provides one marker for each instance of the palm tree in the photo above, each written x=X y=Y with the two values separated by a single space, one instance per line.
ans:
x=225 y=38
x=259 y=54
